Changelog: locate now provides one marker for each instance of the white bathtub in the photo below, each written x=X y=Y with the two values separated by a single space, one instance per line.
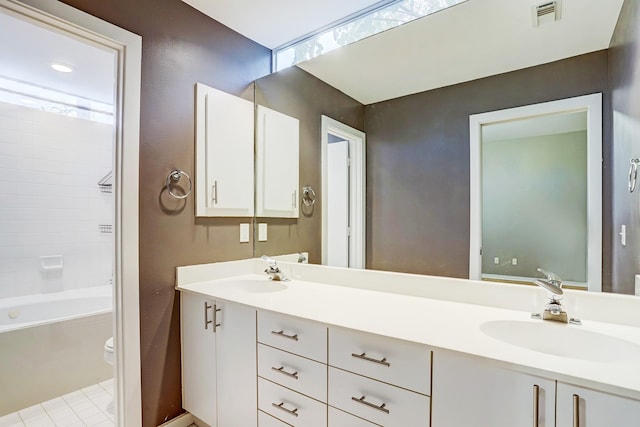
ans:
x=52 y=344
x=32 y=310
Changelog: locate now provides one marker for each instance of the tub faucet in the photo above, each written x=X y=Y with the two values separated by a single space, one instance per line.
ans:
x=273 y=271
x=553 y=284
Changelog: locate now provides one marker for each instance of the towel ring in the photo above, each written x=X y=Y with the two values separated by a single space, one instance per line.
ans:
x=308 y=196
x=173 y=178
x=633 y=174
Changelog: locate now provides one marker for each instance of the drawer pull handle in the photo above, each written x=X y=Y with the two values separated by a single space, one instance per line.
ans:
x=536 y=405
x=363 y=356
x=280 y=405
x=576 y=410
x=282 y=334
x=371 y=405
x=282 y=371
x=206 y=315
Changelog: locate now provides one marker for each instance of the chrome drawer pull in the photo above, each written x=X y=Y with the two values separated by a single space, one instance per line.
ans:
x=536 y=405
x=206 y=315
x=282 y=371
x=363 y=356
x=216 y=325
x=282 y=334
x=371 y=405
x=280 y=405
x=576 y=410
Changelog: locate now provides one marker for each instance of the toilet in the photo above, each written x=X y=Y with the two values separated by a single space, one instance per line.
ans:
x=108 y=351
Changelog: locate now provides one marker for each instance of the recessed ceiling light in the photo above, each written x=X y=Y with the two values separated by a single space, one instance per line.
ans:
x=62 y=68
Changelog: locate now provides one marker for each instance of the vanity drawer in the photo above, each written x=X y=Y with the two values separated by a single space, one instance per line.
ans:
x=292 y=334
x=338 y=418
x=298 y=373
x=377 y=402
x=291 y=407
x=265 y=420
x=394 y=361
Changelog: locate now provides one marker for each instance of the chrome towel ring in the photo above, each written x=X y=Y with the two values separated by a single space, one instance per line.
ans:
x=173 y=178
x=308 y=196
x=633 y=174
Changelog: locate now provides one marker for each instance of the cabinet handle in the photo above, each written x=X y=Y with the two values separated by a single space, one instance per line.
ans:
x=206 y=315
x=214 y=190
x=280 y=405
x=294 y=199
x=363 y=356
x=282 y=371
x=536 y=402
x=282 y=334
x=371 y=405
x=215 y=318
x=576 y=410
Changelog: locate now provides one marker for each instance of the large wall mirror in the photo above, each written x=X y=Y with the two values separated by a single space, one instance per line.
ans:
x=418 y=216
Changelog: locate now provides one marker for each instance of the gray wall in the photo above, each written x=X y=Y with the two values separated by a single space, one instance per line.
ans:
x=534 y=205
x=624 y=80
x=418 y=163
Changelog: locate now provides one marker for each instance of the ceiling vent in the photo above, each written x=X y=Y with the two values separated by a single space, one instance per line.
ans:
x=546 y=13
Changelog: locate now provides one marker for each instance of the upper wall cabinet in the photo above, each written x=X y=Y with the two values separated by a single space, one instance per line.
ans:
x=224 y=154
x=277 y=148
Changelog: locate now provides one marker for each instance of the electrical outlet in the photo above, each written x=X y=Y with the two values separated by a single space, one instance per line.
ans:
x=496 y=260
x=262 y=232
x=244 y=233
x=514 y=261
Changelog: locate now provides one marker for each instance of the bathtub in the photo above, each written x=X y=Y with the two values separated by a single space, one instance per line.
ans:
x=52 y=344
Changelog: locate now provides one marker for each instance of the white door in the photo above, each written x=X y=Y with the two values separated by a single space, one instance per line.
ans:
x=338 y=204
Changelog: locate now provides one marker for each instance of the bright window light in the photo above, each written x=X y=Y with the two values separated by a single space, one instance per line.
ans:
x=361 y=25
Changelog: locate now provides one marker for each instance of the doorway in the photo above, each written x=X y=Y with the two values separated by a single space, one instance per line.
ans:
x=544 y=208
x=69 y=128
x=343 y=187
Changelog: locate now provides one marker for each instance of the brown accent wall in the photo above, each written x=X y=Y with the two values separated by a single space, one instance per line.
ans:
x=299 y=94
x=418 y=163
x=180 y=46
x=624 y=80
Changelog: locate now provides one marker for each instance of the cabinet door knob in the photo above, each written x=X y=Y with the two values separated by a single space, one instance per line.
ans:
x=282 y=334
x=363 y=400
x=576 y=410
x=536 y=405
x=363 y=356
x=280 y=405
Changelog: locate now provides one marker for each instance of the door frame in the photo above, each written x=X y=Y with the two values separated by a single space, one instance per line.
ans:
x=357 y=190
x=126 y=313
x=592 y=105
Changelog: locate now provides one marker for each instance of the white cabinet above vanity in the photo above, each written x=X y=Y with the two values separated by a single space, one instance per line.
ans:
x=412 y=351
x=224 y=154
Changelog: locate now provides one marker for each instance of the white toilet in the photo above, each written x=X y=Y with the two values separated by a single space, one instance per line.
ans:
x=108 y=351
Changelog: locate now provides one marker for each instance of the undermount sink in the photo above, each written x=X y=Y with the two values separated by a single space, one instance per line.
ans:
x=255 y=286
x=562 y=340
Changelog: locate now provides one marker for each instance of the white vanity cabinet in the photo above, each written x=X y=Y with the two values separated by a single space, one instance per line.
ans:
x=277 y=164
x=582 y=407
x=218 y=361
x=471 y=391
x=224 y=154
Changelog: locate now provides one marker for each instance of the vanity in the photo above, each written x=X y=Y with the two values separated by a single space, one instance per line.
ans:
x=356 y=348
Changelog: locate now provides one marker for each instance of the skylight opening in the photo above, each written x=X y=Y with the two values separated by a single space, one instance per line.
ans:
x=357 y=27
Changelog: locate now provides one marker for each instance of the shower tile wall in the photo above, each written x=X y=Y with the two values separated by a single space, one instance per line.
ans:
x=50 y=165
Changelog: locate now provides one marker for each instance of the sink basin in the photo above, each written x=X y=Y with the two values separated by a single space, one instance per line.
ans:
x=562 y=340
x=259 y=286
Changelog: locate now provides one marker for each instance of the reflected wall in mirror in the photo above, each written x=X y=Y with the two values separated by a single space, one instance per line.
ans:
x=418 y=214
x=536 y=191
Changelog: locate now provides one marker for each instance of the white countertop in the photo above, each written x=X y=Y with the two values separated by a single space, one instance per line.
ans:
x=441 y=324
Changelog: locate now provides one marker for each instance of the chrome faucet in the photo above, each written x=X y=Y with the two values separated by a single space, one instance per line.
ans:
x=553 y=284
x=273 y=271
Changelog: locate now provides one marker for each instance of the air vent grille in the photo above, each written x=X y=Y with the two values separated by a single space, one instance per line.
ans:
x=546 y=13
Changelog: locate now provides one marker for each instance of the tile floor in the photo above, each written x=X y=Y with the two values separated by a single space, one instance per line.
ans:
x=88 y=407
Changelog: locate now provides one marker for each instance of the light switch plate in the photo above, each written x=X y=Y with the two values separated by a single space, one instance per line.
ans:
x=244 y=233
x=262 y=232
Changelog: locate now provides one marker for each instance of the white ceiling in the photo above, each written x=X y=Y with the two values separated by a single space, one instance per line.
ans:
x=32 y=49
x=475 y=39
x=273 y=23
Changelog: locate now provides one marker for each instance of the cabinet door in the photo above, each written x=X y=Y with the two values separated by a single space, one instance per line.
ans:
x=198 y=357
x=581 y=407
x=224 y=154
x=236 y=365
x=469 y=391
x=278 y=137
